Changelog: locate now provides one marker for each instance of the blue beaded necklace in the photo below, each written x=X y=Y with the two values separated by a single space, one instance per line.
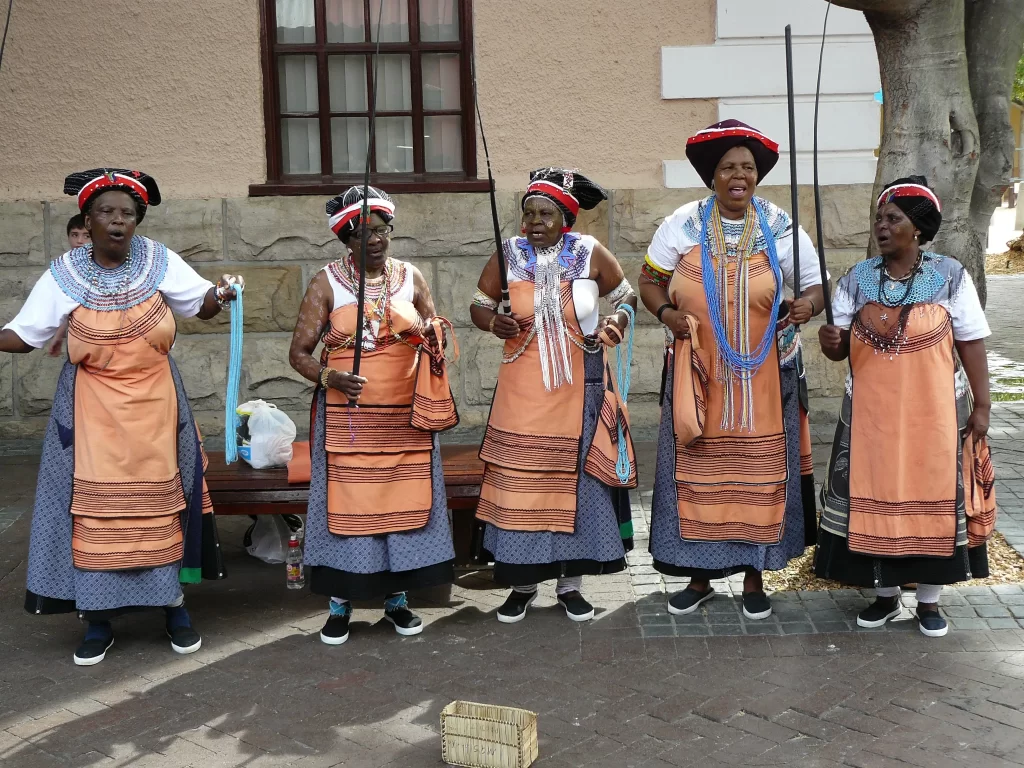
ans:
x=739 y=364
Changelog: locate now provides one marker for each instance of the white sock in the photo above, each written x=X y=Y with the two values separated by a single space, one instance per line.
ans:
x=928 y=593
x=525 y=589
x=569 y=584
x=887 y=591
x=339 y=600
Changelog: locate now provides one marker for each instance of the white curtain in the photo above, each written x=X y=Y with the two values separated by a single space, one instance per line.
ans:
x=348 y=144
x=439 y=20
x=394 y=21
x=442 y=143
x=300 y=136
x=345 y=21
x=295 y=21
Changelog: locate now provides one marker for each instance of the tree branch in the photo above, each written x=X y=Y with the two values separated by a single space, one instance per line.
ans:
x=994 y=36
x=883 y=7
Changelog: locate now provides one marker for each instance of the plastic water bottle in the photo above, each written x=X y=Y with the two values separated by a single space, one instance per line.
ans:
x=293 y=563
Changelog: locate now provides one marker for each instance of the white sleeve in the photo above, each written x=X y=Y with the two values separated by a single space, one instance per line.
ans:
x=810 y=270
x=42 y=313
x=969 y=323
x=843 y=308
x=670 y=242
x=183 y=288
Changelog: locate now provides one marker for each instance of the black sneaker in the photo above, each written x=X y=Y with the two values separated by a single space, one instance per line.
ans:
x=514 y=608
x=576 y=606
x=688 y=601
x=879 y=612
x=931 y=623
x=184 y=639
x=406 y=622
x=756 y=606
x=335 y=631
x=93 y=650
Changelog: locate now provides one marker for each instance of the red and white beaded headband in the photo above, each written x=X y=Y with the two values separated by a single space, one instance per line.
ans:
x=710 y=134
x=908 y=190
x=112 y=180
x=345 y=215
x=554 y=190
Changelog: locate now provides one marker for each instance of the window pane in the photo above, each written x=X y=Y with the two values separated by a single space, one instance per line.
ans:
x=348 y=143
x=345 y=21
x=348 y=83
x=394 y=145
x=439 y=20
x=394 y=21
x=442 y=143
x=296 y=79
x=394 y=83
x=300 y=145
x=440 y=81
x=295 y=22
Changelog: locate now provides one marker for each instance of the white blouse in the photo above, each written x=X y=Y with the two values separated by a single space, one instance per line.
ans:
x=48 y=305
x=680 y=233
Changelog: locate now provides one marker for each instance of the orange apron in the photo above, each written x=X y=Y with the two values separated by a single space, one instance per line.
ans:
x=127 y=494
x=903 y=458
x=378 y=465
x=731 y=484
x=531 y=447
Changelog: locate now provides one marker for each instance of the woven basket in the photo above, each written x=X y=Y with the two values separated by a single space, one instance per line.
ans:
x=485 y=736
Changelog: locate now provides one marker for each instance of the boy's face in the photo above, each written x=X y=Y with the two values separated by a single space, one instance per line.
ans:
x=78 y=237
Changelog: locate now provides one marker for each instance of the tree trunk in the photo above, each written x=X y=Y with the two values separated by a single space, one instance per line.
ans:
x=994 y=34
x=929 y=123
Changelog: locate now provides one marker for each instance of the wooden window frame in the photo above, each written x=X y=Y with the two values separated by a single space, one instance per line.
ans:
x=278 y=183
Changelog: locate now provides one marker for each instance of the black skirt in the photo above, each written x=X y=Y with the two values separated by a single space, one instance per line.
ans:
x=332 y=582
x=833 y=560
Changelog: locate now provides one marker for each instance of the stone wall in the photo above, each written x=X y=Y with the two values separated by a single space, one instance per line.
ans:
x=278 y=244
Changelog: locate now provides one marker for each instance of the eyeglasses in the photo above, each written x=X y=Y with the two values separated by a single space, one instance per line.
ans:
x=381 y=231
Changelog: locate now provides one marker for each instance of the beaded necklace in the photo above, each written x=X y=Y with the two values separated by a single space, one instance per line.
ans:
x=890 y=341
x=735 y=363
x=378 y=299
x=548 y=317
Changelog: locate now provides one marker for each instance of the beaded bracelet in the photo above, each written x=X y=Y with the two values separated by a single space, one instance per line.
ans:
x=325 y=374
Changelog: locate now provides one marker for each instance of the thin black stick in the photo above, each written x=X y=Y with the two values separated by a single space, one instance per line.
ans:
x=506 y=305
x=792 y=162
x=364 y=214
x=817 y=189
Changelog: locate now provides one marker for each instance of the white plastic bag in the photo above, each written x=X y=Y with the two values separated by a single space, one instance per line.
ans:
x=267 y=539
x=271 y=434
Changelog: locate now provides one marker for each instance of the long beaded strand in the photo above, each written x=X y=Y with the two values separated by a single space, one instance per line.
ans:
x=740 y=363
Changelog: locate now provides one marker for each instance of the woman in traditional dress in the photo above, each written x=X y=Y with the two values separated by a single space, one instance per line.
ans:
x=734 y=485
x=378 y=515
x=122 y=518
x=908 y=494
x=553 y=502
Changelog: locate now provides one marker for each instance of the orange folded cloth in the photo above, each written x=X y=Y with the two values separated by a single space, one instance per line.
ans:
x=299 y=467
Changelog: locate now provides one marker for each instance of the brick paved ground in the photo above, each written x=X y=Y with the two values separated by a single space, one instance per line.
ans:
x=633 y=688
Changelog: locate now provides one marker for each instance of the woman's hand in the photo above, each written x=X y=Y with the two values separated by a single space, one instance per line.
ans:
x=55 y=347
x=831 y=339
x=618 y=322
x=505 y=326
x=800 y=311
x=345 y=382
x=978 y=421
x=676 y=322
x=225 y=287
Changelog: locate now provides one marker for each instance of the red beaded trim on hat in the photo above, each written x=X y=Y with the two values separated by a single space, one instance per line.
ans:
x=555 y=191
x=710 y=134
x=345 y=215
x=908 y=190
x=112 y=180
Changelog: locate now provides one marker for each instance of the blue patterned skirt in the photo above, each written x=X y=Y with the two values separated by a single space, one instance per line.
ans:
x=676 y=556
x=54 y=584
x=369 y=567
x=596 y=546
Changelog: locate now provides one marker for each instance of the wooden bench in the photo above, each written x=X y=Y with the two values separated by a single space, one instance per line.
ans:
x=238 y=489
